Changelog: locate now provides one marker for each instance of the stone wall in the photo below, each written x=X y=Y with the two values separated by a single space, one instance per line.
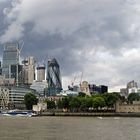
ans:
x=123 y=107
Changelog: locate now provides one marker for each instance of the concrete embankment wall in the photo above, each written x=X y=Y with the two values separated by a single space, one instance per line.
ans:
x=90 y=114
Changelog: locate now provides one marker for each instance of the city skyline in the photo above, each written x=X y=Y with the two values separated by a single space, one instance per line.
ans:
x=100 y=39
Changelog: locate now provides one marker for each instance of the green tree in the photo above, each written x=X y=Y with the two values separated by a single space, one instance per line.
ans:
x=50 y=104
x=123 y=99
x=98 y=102
x=85 y=103
x=60 y=104
x=110 y=99
x=30 y=100
x=96 y=95
x=64 y=102
x=133 y=97
x=74 y=103
x=81 y=94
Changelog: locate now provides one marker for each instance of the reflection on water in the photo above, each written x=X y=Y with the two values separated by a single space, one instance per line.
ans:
x=69 y=128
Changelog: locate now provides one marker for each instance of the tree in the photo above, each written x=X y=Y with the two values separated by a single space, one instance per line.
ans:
x=60 y=104
x=81 y=94
x=74 y=103
x=98 y=102
x=96 y=95
x=133 y=97
x=85 y=103
x=110 y=99
x=30 y=100
x=50 y=104
x=64 y=102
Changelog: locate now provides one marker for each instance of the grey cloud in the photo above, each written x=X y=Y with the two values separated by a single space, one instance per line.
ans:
x=82 y=35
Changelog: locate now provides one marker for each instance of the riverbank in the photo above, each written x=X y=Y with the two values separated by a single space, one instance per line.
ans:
x=83 y=114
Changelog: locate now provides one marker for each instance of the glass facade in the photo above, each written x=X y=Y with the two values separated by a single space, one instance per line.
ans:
x=10 y=57
x=13 y=97
x=53 y=78
x=98 y=89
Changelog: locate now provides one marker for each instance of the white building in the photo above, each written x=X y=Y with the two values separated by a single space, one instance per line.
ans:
x=132 y=90
x=29 y=70
x=132 y=87
x=40 y=73
x=40 y=87
x=68 y=93
x=84 y=87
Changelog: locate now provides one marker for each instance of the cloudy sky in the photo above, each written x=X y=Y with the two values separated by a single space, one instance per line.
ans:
x=100 y=39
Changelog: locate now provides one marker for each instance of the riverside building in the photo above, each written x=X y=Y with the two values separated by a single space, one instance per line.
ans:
x=13 y=97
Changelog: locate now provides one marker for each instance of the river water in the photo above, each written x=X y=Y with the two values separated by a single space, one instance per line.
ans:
x=69 y=128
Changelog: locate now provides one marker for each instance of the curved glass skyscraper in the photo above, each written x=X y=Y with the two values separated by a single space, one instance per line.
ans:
x=53 y=78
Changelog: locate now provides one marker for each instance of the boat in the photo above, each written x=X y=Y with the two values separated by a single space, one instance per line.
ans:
x=100 y=117
x=19 y=113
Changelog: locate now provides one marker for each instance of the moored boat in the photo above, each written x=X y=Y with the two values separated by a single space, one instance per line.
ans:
x=17 y=113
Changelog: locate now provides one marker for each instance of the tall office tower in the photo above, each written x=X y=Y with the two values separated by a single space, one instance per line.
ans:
x=17 y=73
x=103 y=89
x=29 y=70
x=0 y=69
x=40 y=73
x=10 y=57
x=132 y=84
x=94 y=89
x=53 y=78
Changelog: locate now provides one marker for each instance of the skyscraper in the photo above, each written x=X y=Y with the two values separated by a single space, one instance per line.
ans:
x=10 y=57
x=29 y=70
x=53 y=77
x=40 y=73
x=0 y=69
x=17 y=69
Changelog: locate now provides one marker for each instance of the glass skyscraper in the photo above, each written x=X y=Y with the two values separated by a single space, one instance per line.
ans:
x=53 y=78
x=10 y=57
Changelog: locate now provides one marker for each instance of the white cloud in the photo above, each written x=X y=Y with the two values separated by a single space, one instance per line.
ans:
x=14 y=32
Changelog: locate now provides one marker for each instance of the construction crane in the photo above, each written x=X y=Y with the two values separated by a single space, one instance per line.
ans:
x=72 y=83
x=81 y=78
x=79 y=82
x=70 y=87
x=21 y=42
